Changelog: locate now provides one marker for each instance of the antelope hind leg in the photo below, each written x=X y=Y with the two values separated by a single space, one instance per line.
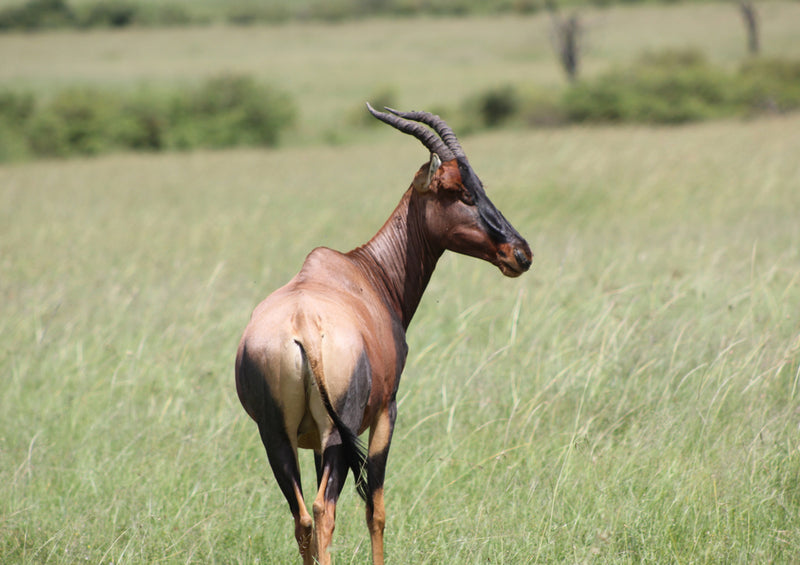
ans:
x=334 y=470
x=380 y=438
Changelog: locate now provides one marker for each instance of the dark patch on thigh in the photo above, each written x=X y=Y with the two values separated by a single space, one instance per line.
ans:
x=351 y=405
x=266 y=411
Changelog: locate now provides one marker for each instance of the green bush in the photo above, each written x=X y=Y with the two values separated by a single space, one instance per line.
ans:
x=16 y=108
x=604 y=100
x=668 y=87
x=230 y=110
x=76 y=121
x=769 y=85
x=109 y=13
x=143 y=124
x=510 y=105
x=46 y=136
x=222 y=112
x=681 y=86
x=497 y=105
x=491 y=108
x=120 y=13
x=36 y=14
x=89 y=121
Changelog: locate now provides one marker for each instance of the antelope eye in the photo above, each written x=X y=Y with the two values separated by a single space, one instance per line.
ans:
x=466 y=198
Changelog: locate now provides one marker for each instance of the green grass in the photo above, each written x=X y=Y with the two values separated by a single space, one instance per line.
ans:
x=631 y=399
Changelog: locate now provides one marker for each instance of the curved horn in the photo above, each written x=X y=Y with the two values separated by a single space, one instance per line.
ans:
x=426 y=136
x=438 y=124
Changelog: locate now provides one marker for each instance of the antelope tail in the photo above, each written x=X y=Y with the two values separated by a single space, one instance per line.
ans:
x=354 y=449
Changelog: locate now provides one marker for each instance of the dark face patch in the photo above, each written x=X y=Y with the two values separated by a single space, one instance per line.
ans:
x=498 y=228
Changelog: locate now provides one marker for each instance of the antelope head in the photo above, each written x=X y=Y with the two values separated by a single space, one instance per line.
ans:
x=458 y=215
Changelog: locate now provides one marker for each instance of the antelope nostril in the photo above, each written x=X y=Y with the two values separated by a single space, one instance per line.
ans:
x=522 y=259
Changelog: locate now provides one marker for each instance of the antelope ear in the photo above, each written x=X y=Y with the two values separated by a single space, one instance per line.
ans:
x=436 y=162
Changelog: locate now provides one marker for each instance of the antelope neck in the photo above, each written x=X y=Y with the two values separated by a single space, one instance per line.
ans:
x=399 y=260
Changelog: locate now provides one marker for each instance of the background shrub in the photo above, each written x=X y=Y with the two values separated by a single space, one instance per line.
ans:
x=36 y=14
x=490 y=108
x=143 y=123
x=46 y=136
x=76 y=121
x=508 y=105
x=667 y=87
x=497 y=105
x=230 y=110
x=109 y=13
x=16 y=108
x=769 y=85
x=221 y=112
x=681 y=86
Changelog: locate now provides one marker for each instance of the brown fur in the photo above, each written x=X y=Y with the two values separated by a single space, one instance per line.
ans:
x=323 y=354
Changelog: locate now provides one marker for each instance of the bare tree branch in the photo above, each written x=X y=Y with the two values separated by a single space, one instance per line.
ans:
x=750 y=16
x=567 y=38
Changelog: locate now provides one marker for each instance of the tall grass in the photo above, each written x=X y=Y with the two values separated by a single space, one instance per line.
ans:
x=633 y=398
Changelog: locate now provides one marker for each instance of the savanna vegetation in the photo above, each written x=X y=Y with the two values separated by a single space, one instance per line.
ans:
x=634 y=398
x=231 y=110
x=677 y=81
x=84 y=14
x=223 y=111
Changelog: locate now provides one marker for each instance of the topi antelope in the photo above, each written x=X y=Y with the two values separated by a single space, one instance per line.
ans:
x=320 y=360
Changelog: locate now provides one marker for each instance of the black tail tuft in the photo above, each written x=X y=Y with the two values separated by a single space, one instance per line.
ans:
x=354 y=450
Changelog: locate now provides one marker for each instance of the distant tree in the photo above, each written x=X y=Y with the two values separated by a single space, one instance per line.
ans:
x=750 y=16
x=567 y=39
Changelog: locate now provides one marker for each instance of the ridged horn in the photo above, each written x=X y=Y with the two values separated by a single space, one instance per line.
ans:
x=428 y=138
x=438 y=124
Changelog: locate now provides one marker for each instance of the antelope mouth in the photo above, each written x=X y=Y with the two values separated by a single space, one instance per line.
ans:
x=518 y=263
x=511 y=270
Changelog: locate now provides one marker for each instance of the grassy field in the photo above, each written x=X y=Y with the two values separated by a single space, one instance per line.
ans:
x=330 y=70
x=634 y=398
